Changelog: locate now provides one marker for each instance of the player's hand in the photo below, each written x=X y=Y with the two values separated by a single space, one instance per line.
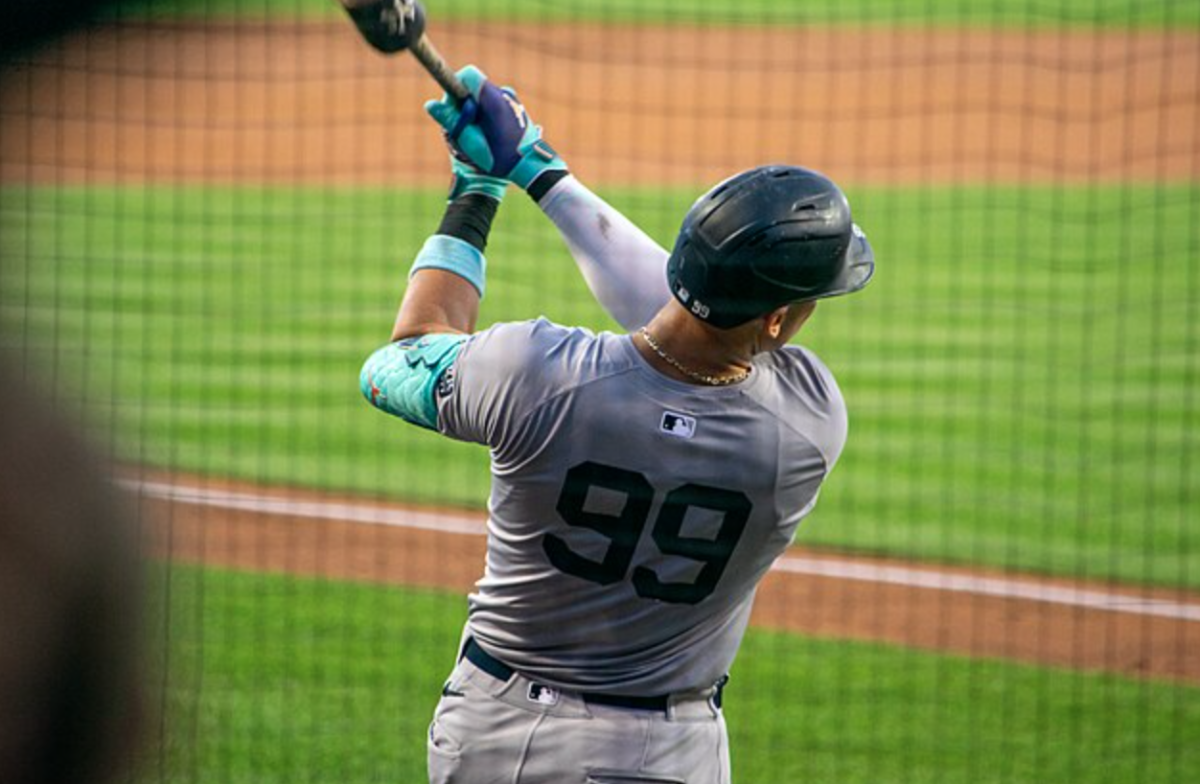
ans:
x=492 y=131
x=468 y=179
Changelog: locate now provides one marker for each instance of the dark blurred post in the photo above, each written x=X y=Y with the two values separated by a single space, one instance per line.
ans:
x=70 y=575
x=70 y=602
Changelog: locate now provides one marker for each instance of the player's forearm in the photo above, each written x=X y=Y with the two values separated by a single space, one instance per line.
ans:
x=623 y=266
x=435 y=302
x=447 y=280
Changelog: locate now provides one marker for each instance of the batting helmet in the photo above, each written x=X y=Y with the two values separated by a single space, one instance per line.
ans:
x=765 y=238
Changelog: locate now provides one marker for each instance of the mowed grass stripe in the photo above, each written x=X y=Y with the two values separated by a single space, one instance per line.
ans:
x=279 y=678
x=1021 y=375
x=1078 y=13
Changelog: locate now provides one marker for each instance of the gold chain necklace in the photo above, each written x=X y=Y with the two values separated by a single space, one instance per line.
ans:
x=703 y=378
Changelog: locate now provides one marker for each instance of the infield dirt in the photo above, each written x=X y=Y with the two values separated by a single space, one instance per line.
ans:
x=310 y=103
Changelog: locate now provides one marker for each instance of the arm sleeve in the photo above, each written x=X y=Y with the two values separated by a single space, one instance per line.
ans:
x=625 y=269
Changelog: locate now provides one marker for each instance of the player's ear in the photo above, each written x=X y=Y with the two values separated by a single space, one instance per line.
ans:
x=773 y=322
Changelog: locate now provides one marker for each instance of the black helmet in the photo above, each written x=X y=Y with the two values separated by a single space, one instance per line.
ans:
x=764 y=238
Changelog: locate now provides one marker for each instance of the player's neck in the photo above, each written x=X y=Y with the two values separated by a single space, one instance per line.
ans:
x=719 y=354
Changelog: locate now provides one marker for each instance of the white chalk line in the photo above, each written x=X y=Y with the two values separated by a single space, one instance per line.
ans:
x=861 y=571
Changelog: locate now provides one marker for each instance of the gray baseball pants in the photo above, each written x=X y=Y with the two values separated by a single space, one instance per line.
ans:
x=491 y=731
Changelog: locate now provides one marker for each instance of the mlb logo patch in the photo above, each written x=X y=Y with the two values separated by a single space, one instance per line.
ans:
x=542 y=695
x=677 y=425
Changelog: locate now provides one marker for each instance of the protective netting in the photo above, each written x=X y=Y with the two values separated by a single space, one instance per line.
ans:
x=208 y=209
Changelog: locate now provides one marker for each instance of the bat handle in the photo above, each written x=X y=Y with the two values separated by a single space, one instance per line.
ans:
x=433 y=62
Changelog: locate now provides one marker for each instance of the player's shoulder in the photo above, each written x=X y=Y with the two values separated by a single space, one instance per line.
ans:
x=800 y=372
x=539 y=332
x=536 y=339
x=803 y=394
x=540 y=347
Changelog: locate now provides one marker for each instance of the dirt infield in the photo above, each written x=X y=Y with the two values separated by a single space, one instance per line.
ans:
x=1020 y=617
x=309 y=103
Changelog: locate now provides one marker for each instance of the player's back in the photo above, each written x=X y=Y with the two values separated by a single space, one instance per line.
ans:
x=632 y=515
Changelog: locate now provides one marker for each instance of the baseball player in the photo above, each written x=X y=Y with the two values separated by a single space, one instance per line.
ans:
x=642 y=483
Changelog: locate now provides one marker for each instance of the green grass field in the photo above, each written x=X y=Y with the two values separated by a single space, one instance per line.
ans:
x=1016 y=13
x=284 y=679
x=1022 y=374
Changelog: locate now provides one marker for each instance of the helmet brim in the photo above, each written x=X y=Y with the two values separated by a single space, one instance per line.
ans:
x=856 y=272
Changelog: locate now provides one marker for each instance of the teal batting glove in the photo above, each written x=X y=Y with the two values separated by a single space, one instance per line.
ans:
x=492 y=131
x=468 y=179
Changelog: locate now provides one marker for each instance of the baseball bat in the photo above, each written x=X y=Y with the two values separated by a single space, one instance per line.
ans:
x=391 y=26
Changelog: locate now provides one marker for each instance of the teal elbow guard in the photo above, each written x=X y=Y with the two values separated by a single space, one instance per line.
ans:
x=402 y=378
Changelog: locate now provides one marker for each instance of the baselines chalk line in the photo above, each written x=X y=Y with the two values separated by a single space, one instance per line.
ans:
x=834 y=569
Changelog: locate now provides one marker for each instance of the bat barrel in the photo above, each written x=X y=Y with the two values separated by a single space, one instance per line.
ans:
x=392 y=26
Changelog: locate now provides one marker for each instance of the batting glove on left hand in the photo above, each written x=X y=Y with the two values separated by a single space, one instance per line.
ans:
x=492 y=131
x=468 y=179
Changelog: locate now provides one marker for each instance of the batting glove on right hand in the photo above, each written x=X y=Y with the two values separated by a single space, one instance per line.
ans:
x=492 y=131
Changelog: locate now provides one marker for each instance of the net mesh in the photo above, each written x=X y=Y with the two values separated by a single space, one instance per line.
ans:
x=207 y=213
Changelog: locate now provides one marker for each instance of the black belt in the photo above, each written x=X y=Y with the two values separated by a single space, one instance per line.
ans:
x=501 y=671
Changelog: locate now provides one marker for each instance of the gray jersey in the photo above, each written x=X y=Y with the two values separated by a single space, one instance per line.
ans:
x=631 y=515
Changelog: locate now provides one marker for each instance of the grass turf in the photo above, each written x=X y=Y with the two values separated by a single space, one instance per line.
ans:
x=1014 y=13
x=1022 y=375
x=282 y=679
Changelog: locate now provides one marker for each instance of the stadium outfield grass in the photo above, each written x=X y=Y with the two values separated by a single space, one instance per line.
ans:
x=282 y=679
x=1012 y=13
x=1022 y=374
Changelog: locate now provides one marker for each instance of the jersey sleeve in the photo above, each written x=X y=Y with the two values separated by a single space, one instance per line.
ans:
x=502 y=375
x=815 y=385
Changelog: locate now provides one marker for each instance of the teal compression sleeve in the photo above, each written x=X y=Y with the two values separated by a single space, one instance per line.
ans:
x=403 y=378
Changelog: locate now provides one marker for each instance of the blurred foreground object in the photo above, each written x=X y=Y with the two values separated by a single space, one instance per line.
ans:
x=70 y=602
x=70 y=575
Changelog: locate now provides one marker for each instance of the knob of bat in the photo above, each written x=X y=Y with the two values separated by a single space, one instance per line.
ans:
x=388 y=25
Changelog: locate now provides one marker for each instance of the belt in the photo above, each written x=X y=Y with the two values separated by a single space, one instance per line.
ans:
x=501 y=671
